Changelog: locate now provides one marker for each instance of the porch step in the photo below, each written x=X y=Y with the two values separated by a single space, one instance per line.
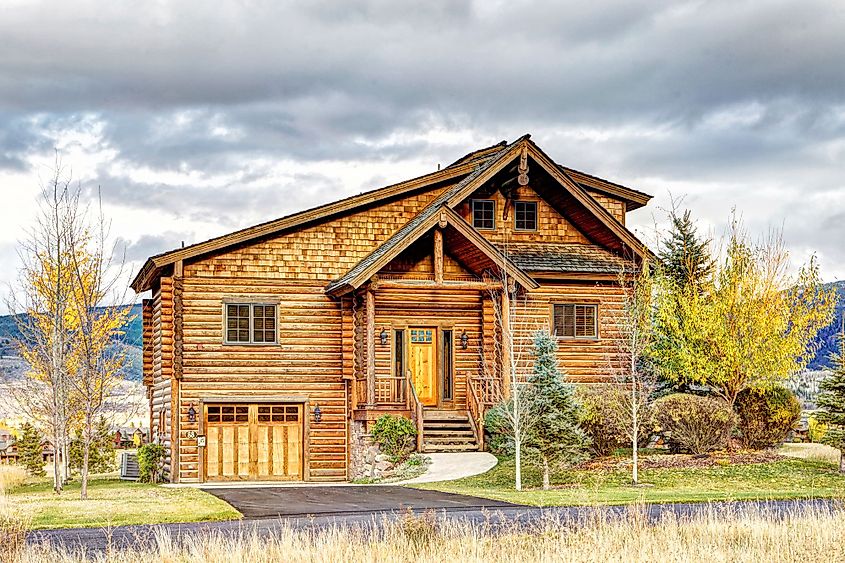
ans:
x=448 y=431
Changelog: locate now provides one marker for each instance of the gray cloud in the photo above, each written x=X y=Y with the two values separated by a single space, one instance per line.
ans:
x=722 y=99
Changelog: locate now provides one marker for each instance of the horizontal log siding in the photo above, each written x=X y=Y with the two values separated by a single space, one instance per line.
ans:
x=584 y=361
x=306 y=361
x=613 y=205
x=551 y=226
x=162 y=368
x=446 y=308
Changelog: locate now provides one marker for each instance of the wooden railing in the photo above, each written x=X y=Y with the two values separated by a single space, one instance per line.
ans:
x=390 y=390
x=416 y=409
x=476 y=415
x=482 y=393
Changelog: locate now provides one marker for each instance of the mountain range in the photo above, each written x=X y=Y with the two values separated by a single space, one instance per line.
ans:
x=827 y=339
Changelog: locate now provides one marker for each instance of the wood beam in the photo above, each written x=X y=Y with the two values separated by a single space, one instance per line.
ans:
x=430 y=284
x=438 y=256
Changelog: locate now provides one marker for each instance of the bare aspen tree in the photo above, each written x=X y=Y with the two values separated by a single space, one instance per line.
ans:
x=97 y=364
x=508 y=360
x=630 y=344
x=43 y=296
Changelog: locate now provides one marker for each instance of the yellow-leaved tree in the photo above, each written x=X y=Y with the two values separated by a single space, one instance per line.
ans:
x=751 y=323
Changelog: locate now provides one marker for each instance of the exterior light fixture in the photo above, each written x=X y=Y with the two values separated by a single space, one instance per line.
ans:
x=383 y=336
x=464 y=340
x=192 y=413
x=318 y=414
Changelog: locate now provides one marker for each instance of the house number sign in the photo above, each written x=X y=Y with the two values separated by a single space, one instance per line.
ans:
x=190 y=434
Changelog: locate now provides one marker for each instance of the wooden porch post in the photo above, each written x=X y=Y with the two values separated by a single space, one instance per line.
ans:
x=507 y=342
x=370 y=311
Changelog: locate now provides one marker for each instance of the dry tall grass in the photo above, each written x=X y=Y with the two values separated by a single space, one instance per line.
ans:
x=11 y=476
x=813 y=452
x=813 y=535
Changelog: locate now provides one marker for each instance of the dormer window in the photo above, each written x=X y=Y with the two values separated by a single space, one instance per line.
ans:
x=484 y=214
x=525 y=215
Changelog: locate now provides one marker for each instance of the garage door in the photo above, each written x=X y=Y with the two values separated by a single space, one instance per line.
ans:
x=253 y=442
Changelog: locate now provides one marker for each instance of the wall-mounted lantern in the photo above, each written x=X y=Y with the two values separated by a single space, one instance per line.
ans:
x=464 y=340
x=383 y=336
x=192 y=413
x=318 y=414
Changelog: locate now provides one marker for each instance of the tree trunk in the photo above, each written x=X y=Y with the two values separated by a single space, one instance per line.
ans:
x=518 y=461
x=842 y=461
x=546 y=484
x=86 y=456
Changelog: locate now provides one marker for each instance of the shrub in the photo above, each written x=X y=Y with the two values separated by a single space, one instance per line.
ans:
x=151 y=463
x=396 y=436
x=605 y=417
x=766 y=416
x=815 y=430
x=695 y=424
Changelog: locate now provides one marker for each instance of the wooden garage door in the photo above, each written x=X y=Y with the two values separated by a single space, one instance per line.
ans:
x=253 y=442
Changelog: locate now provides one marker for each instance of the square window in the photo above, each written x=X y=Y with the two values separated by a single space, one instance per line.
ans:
x=525 y=215
x=576 y=320
x=484 y=214
x=250 y=324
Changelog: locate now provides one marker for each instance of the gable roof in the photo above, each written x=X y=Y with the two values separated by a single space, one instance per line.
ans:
x=479 y=163
x=411 y=232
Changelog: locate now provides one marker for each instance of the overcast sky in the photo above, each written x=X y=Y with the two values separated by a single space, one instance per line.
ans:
x=197 y=117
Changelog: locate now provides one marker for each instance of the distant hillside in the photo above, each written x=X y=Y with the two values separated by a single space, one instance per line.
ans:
x=828 y=338
x=130 y=340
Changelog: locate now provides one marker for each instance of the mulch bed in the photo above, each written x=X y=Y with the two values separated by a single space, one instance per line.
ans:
x=683 y=461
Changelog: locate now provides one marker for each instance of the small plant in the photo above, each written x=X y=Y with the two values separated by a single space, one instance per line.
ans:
x=101 y=458
x=695 y=424
x=419 y=529
x=151 y=463
x=766 y=416
x=396 y=436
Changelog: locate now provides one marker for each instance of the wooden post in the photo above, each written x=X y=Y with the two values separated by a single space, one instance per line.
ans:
x=438 y=256
x=507 y=342
x=370 y=310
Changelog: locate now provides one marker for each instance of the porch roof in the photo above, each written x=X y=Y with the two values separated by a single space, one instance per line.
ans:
x=566 y=258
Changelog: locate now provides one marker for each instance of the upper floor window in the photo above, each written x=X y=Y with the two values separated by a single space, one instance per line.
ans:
x=576 y=320
x=484 y=214
x=525 y=215
x=250 y=323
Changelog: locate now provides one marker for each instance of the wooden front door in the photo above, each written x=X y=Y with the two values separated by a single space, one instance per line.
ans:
x=253 y=442
x=422 y=354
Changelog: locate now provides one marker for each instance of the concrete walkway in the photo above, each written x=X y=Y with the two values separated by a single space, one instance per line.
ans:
x=451 y=466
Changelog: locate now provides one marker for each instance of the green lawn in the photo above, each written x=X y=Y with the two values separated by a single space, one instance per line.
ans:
x=781 y=479
x=113 y=502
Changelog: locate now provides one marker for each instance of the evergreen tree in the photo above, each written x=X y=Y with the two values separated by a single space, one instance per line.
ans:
x=101 y=457
x=29 y=450
x=831 y=403
x=685 y=256
x=556 y=438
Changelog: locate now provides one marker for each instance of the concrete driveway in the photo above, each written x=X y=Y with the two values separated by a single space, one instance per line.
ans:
x=272 y=502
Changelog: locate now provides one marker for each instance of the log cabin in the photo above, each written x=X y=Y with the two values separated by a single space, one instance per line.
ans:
x=269 y=352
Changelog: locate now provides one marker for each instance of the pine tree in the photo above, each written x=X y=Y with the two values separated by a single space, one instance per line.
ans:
x=831 y=403
x=685 y=256
x=556 y=438
x=29 y=450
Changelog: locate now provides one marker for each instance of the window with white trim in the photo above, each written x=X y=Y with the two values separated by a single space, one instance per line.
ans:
x=575 y=320
x=250 y=323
